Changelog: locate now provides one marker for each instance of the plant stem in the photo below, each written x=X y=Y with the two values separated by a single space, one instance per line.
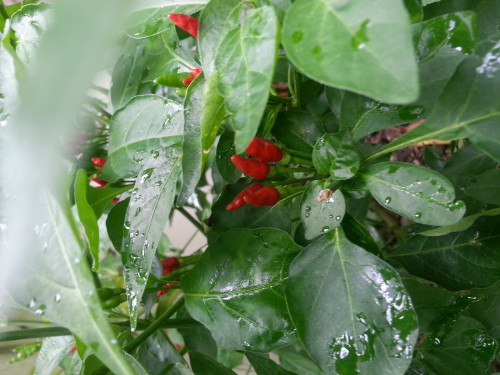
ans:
x=296 y=181
x=300 y=154
x=299 y=160
x=193 y=221
x=280 y=170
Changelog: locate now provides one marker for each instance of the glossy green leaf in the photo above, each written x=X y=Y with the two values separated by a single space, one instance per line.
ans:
x=467 y=349
x=147 y=214
x=152 y=21
x=298 y=130
x=265 y=366
x=417 y=193
x=87 y=216
x=368 y=43
x=277 y=216
x=472 y=88
x=336 y=155
x=461 y=225
x=299 y=364
x=53 y=350
x=191 y=164
x=414 y=8
x=115 y=223
x=321 y=210
x=99 y=198
x=225 y=149
x=216 y=20
x=29 y=24
x=245 y=63
x=236 y=289
x=141 y=129
x=359 y=235
x=487 y=310
x=158 y=356
x=204 y=365
x=350 y=309
x=485 y=187
x=458 y=260
x=60 y=286
x=212 y=114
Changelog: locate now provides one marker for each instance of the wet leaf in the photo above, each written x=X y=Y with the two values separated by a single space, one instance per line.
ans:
x=115 y=223
x=147 y=214
x=350 y=308
x=335 y=155
x=369 y=44
x=25 y=351
x=298 y=364
x=417 y=193
x=359 y=235
x=139 y=130
x=212 y=114
x=487 y=309
x=53 y=350
x=236 y=289
x=298 y=130
x=204 y=365
x=456 y=261
x=265 y=366
x=245 y=62
x=225 y=149
x=60 y=286
x=321 y=210
x=158 y=356
x=87 y=216
x=99 y=198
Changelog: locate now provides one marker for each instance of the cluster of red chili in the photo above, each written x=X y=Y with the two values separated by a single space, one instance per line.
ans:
x=257 y=194
x=168 y=264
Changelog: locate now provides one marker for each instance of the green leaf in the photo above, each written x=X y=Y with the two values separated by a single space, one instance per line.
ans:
x=417 y=193
x=485 y=187
x=25 y=351
x=461 y=225
x=216 y=20
x=467 y=349
x=225 y=149
x=245 y=62
x=142 y=128
x=158 y=356
x=212 y=114
x=298 y=364
x=204 y=365
x=359 y=235
x=99 y=198
x=350 y=309
x=458 y=260
x=192 y=166
x=87 y=216
x=147 y=214
x=321 y=210
x=472 y=88
x=29 y=24
x=368 y=44
x=335 y=154
x=298 y=130
x=277 y=216
x=414 y=8
x=148 y=22
x=60 y=286
x=236 y=289
x=265 y=366
x=53 y=350
x=115 y=223
x=487 y=310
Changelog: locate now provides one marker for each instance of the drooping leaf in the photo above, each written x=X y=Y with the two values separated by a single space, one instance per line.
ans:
x=53 y=350
x=350 y=308
x=142 y=128
x=335 y=155
x=265 y=366
x=115 y=223
x=466 y=349
x=87 y=216
x=417 y=193
x=59 y=286
x=456 y=261
x=158 y=356
x=236 y=289
x=369 y=44
x=147 y=214
x=472 y=88
x=204 y=365
x=321 y=210
x=245 y=62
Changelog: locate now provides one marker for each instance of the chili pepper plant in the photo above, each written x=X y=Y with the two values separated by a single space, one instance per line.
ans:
x=341 y=159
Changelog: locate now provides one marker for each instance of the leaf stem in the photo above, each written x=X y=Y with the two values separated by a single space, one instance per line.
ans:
x=296 y=180
x=299 y=160
x=300 y=154
x=193 y=221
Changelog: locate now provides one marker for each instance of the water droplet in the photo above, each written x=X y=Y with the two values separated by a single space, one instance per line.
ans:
x=387 y=200
x=441 y=189
x=57 y=298
x=316 y=50
x=41 y=310
x=307 y=215
x=326 y=228
x=32 y=303
x=330 y=216
x=113 y=341
x=308 y=208
x=393 y=169
x=418 y=215
x=338 y=218
x=146 y=174
x=433 y=181
x=297 y=36
x=158 y=183
x=138 y=211
x=360 y=38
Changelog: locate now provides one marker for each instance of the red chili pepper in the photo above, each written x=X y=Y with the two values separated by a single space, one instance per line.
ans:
x=115 y=200
x=169 y=264
x=185 y=22
x=195 y=73
x=267 y=196
x=73 y=349
x=264 y=150
x=239 y=200
x=99 y=183
x=98 y=161
x=251 y=167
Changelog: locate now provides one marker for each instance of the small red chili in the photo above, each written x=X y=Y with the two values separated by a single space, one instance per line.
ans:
x=267 y=196
x=194 y=73
x=251 y=167
x=98 y=161
x=168 y=264
x=264 y=150
x=185 y=22
x=239 y=200
x=99 y=183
